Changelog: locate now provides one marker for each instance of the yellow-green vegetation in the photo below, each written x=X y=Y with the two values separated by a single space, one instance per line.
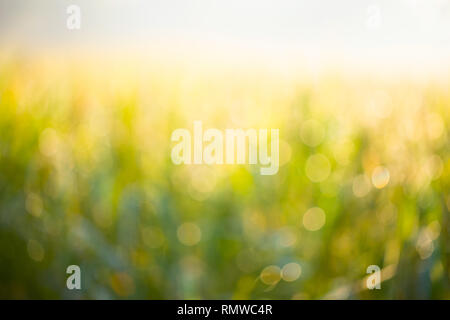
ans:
x=86 y=178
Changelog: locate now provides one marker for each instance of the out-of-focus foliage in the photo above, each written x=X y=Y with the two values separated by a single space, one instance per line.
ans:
x=86 y=178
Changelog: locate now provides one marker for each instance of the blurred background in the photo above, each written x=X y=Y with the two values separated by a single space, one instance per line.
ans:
x=358 y=89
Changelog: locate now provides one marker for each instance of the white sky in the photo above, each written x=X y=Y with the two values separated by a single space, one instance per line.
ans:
x=412 y=31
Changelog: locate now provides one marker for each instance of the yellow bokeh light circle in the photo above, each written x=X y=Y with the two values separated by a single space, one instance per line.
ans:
x=291 y=272
x=317 y=167
x=189 y=234
x=270 y=275
x=380 y=177
x=314 y=219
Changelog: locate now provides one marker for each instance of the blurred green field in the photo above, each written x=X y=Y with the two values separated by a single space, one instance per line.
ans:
x=86 y=178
